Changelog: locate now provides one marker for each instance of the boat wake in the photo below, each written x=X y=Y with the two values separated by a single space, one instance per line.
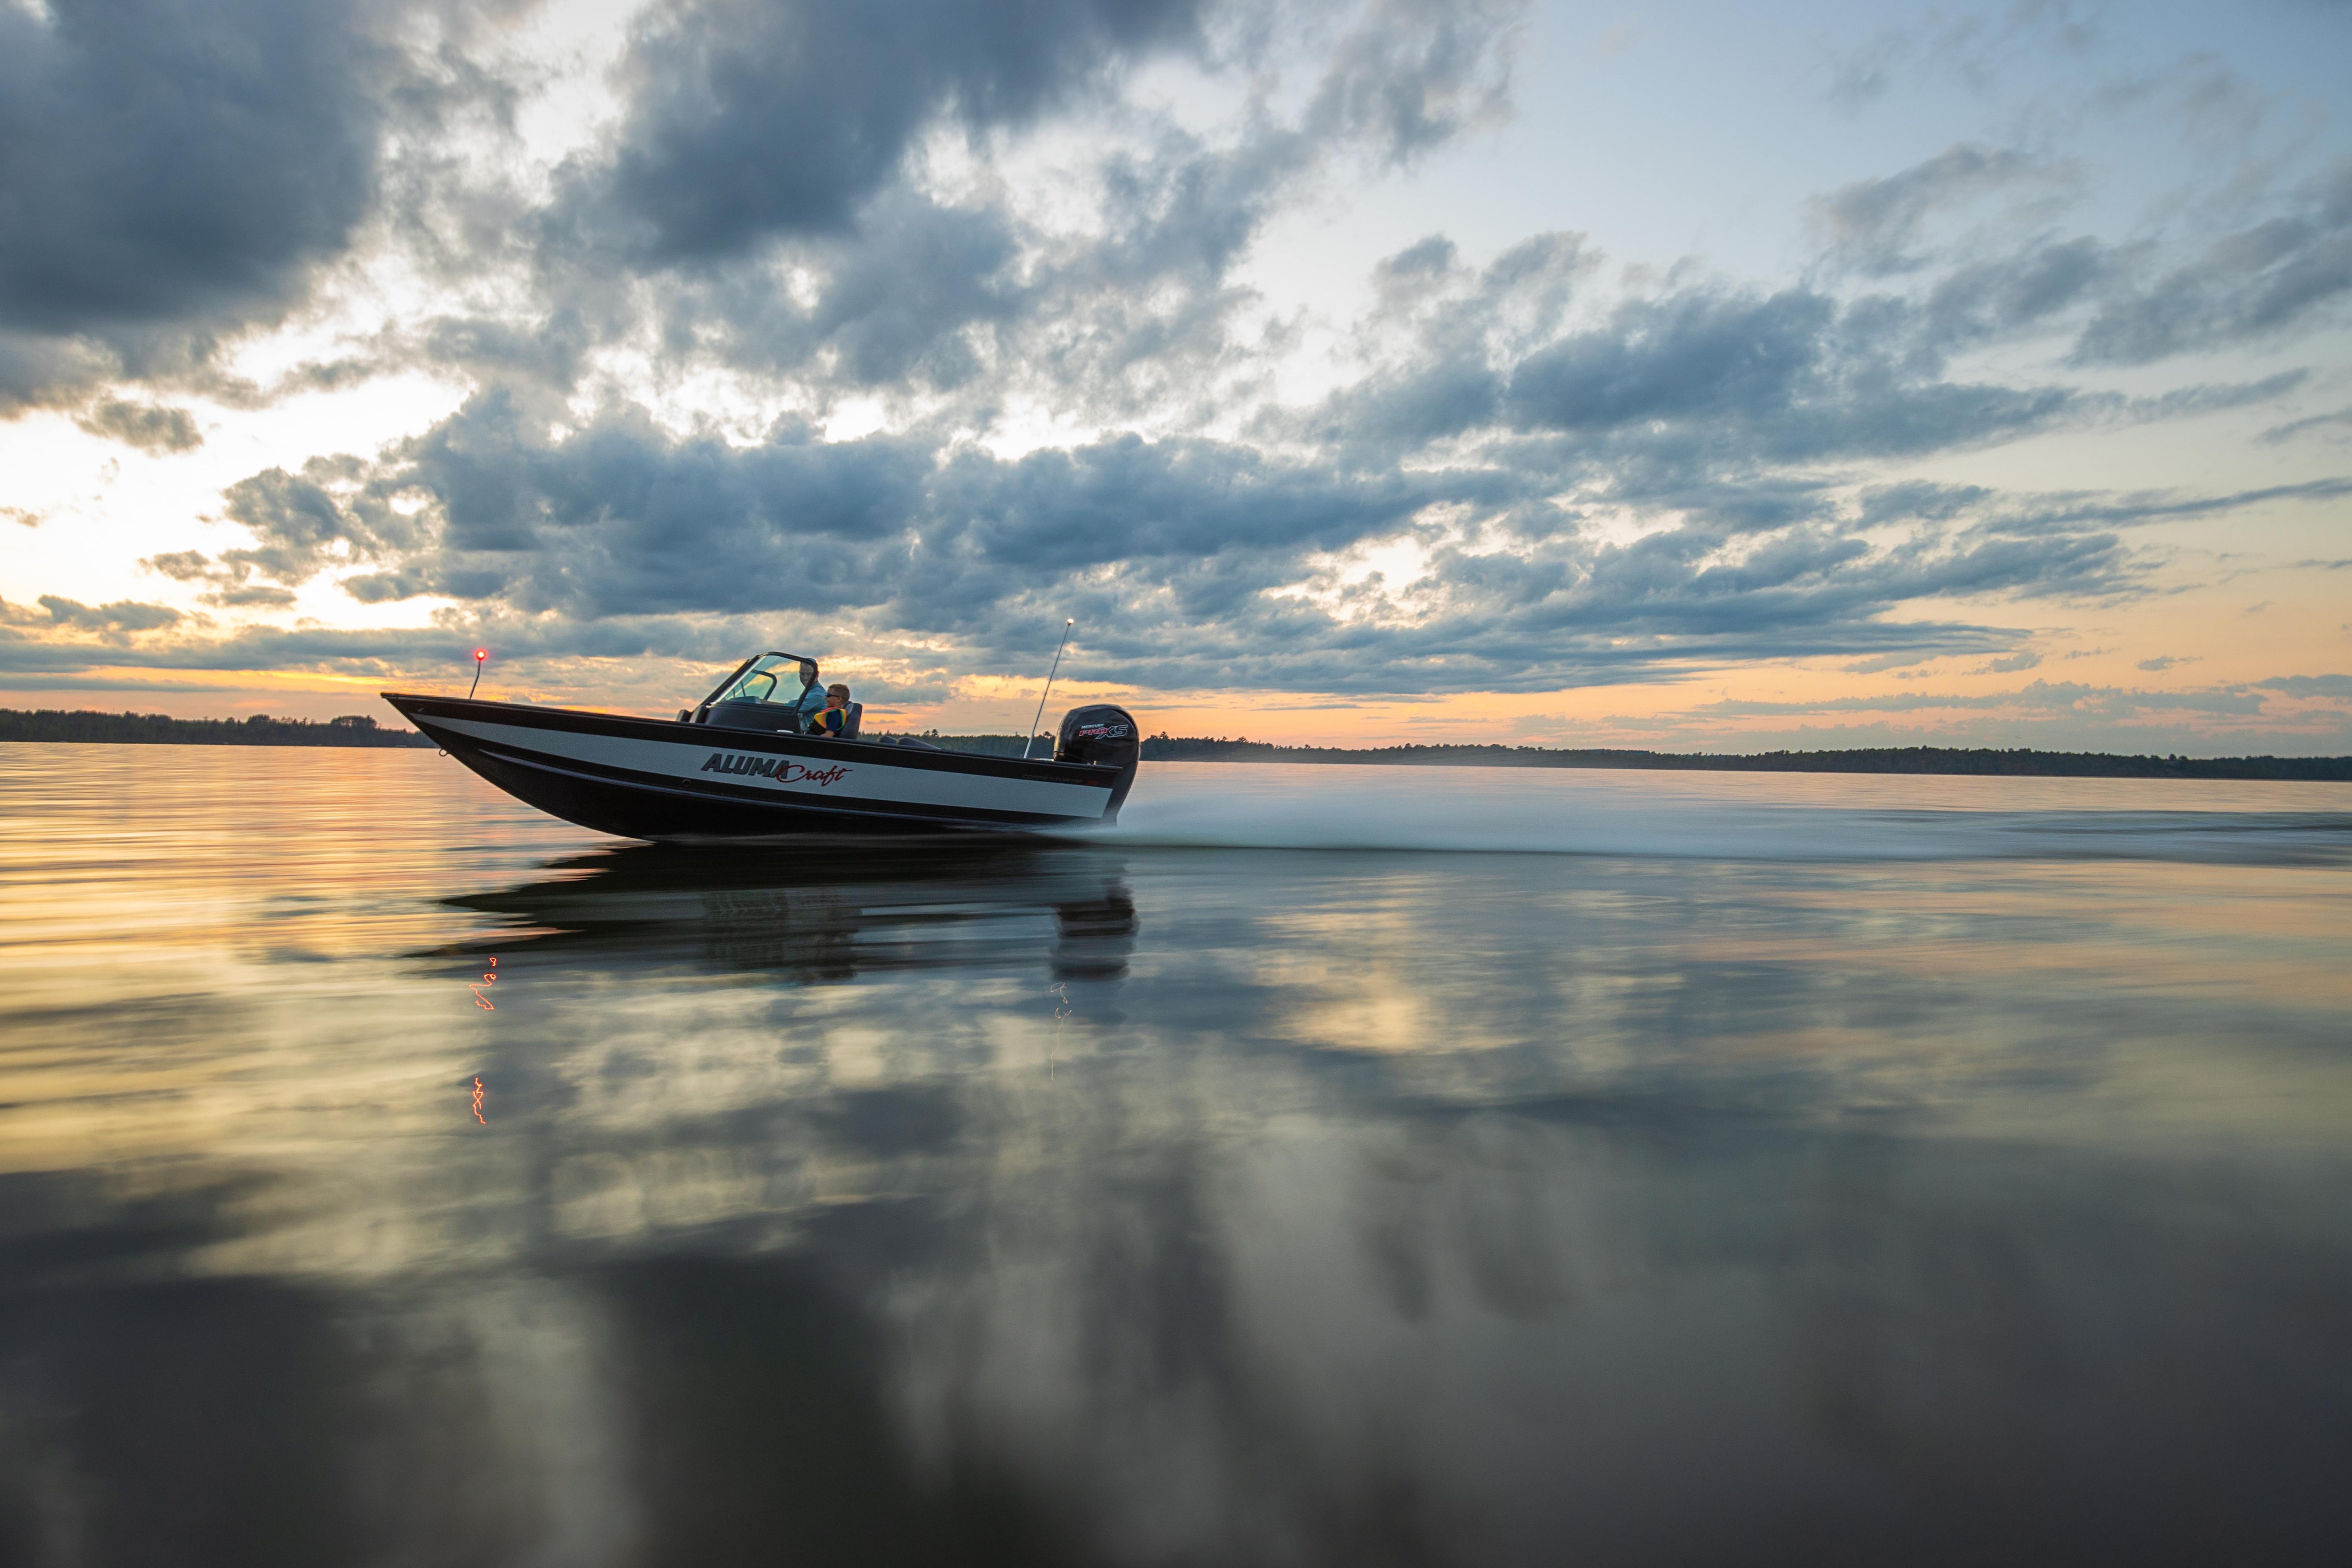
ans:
x=1764 y=816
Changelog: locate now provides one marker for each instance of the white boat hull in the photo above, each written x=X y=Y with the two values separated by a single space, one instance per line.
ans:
x=668 y=780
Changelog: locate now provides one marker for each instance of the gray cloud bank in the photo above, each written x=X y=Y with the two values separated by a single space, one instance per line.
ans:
x=168 y=169
x=1191 y=562
x=749 y=119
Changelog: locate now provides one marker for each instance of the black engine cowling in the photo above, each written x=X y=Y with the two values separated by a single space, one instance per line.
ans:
x=1107 y=737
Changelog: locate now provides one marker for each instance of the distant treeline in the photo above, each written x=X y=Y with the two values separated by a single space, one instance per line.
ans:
x=158 y=730
x=2018 y=763
x=986 y=745
x=359 y=730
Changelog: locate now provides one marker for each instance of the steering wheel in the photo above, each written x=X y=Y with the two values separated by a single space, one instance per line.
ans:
x=752 y=692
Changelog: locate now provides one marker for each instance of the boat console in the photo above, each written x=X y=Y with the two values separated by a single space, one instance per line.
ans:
x=773 y=692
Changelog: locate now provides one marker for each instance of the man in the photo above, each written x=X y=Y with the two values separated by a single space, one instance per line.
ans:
x=811 y=700
x=833 y=718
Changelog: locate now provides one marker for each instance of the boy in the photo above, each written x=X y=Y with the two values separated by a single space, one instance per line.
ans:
x=834 y=716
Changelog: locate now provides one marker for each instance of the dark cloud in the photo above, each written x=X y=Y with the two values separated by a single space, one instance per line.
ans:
x=1788 y=377
x=550 y=350
x=749 y=119
x=148 y=427
x=123 y=615
x=620 y=517
x=180 y=565
x=1693 y=356
x=1702 y=382
x=2076 y=511
x=166 y=164
x=327 y=516
x=2324 y=423
x=2048 y=696
x=1920 y=499
x=307 y=523
x=1905 y=658
x=2309 y=684
x=1874 y=225
x=2073 y=510
x=1460 y=331
x=1124 y=317
x=2214 y=397
x=252 y=595
x=2007 y=294
x=893 y=304
x=1416 y=74
x=2248 y=285
x=229 y=585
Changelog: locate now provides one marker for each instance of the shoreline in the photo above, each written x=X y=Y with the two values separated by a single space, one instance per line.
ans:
x=1937 y=761
x=88 y=727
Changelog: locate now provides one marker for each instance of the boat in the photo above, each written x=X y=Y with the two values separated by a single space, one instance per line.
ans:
x=741 y=765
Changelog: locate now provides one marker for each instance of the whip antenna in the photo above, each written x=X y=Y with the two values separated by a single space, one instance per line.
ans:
x=1031 y=740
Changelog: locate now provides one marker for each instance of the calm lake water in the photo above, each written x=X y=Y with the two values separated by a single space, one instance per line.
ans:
x=1336 y=1165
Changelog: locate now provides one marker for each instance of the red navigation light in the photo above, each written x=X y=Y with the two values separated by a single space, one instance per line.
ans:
x=481 y=654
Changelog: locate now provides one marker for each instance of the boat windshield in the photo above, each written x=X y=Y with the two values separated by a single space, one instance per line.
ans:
x=771 y=678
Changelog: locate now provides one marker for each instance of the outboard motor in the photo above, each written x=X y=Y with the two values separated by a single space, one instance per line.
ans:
x=1107 y=737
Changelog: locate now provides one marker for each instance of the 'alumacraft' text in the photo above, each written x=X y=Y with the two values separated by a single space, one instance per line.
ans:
x=781 y=769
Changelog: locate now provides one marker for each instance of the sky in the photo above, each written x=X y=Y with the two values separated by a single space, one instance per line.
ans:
x=1697 y=377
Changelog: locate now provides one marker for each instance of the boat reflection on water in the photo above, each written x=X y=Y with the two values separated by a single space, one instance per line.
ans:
x=826 y=914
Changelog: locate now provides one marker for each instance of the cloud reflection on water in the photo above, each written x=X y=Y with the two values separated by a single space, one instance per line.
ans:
x=1116 y=1203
